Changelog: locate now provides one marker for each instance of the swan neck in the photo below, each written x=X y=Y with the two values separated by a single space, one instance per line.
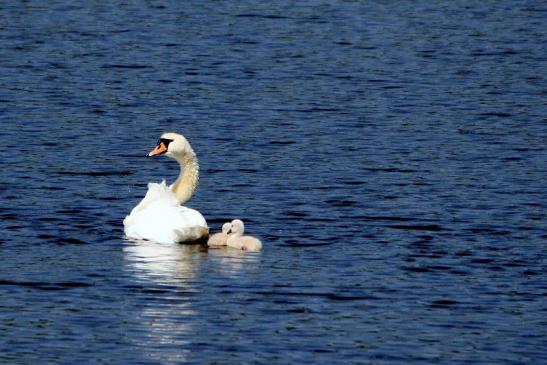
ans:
x=187 y=181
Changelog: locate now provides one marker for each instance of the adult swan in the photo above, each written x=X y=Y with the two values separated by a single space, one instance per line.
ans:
x=160 y=217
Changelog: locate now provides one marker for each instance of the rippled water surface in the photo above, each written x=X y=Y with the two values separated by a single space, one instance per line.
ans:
x=390 y=155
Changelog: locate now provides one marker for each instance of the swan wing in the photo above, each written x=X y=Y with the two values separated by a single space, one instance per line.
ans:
x=157 y=193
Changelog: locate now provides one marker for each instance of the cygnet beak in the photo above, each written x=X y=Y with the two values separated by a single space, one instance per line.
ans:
x=160 y=149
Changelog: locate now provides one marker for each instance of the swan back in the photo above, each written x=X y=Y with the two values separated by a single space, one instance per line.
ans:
x=161 y=218
x=157 y=193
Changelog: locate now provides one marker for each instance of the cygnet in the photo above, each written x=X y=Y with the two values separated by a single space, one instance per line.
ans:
x=219 y=239
x=237 y=240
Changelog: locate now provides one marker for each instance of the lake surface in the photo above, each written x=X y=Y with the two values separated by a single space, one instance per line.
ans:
x=390 y=155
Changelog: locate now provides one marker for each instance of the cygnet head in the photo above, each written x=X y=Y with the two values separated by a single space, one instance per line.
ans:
x=226 y=227
x=171 y=144
x=237 y=226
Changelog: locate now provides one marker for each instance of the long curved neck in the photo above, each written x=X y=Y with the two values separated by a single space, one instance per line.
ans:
x=187 y=181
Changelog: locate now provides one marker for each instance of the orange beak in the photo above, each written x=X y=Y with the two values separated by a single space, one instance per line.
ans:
x=160 y=149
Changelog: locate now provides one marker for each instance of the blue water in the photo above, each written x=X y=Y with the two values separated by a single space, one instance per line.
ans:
x=390 y=155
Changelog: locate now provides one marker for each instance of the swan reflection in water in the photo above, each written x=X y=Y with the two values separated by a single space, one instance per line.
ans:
x=171 y=279
x=163 y=275
x=163 y=264
x=177 y=264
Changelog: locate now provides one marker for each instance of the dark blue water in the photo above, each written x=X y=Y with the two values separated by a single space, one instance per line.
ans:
x=390 y=155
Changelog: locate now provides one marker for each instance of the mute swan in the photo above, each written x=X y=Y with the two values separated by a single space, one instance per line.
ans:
x=160 y=216
x=219 y=239
x=237 y=240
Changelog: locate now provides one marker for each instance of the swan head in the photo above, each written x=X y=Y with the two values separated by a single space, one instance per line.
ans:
x=237 y=226
x=171 y=144
x=226 y=227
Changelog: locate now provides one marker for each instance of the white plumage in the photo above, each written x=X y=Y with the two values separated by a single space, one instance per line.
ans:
x=160 y=217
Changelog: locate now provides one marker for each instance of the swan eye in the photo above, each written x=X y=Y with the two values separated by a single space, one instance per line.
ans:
x=165 y=142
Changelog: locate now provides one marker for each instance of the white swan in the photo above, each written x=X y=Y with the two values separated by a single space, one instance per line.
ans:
x=237 y=240
x=160 y=217
x=219 y=239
